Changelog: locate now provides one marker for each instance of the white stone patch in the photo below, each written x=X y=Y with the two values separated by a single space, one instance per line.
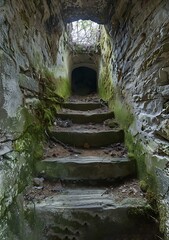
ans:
x=5 y=149
x=12 y=96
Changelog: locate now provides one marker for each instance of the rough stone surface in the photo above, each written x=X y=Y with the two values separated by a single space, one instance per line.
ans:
x=86 y=168
x=85 y=117
x=82 y=106
x=163 y=129
x=91 y=214
x=29 y=46
x=5 y=148
x=137 y=64
x=136 y=50
x=10 y=93
x=96 y=10
x=28 y=83
x=93 y=137
x=38 y=182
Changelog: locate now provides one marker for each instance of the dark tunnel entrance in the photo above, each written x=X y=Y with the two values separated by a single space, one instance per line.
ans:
x=84 y=81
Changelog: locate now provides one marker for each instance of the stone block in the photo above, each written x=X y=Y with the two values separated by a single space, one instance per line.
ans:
x=162 y=181
x=11 y=96
x=86 y=168
x=90 y=214
x=164 y=91
x=85 y=117
x=28 y=83
x=5 y=148
x=163 y=129
x=94 y=138
x=164 y=76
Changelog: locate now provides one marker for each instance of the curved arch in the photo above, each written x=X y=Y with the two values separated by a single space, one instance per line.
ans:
x=87 y=65
x=83 y=81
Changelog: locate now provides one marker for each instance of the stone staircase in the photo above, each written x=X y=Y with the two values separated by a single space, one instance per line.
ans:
x=93 y=194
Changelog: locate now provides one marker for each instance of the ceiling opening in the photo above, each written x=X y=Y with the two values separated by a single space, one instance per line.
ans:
x=84 y=34
x=84 y=81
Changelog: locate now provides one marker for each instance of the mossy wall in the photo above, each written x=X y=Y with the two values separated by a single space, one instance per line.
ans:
x=105 y=81
x=134 y=55
x=33 y=81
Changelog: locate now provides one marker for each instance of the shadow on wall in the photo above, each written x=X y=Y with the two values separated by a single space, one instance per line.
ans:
x=84 y=81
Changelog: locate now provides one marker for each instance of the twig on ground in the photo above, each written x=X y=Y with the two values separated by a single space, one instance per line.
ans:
x=70 y=149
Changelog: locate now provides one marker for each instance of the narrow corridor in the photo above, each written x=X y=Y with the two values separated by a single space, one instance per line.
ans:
x=86 y=187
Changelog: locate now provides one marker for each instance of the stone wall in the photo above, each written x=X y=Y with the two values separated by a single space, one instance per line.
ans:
x=34 y=71
x=33 y=76
x=95 y=10
x=139 y=58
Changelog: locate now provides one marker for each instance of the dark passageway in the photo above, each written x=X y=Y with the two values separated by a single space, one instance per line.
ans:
x=84 y=81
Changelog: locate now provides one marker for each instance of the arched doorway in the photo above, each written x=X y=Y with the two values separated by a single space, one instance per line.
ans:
x=84 y=81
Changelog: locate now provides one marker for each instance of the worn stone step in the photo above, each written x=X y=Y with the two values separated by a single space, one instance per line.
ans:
x=82 y=106
x=82 y=117
x=90 y=214
x=90 y=168
x=81 y=136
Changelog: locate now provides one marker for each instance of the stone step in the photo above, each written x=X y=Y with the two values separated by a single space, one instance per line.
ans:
x=90 y=214
x=82 y=106
x=82 y=117
x=90 y=168
x=82 y=136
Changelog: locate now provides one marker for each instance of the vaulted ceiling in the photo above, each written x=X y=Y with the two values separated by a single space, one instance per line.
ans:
x=95 y=10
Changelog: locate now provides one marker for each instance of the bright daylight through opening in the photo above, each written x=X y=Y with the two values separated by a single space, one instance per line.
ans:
x=84 y=33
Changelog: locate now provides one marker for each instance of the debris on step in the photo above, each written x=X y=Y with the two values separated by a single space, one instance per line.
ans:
x=111 y=123
x=104 y=103
x=95 y=135
x=88 y=98
x=38 y=182
x=116 y=150
x=85 y=112
x=53 y=149
x=53 y=143
x=128 y=188
x=86 y=145
x=82 y=106
x=74 y=151
x=49 y=189
x=122 y=190
x=63 y=123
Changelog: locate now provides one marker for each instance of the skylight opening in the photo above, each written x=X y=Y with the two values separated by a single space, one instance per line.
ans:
x=84 y=33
